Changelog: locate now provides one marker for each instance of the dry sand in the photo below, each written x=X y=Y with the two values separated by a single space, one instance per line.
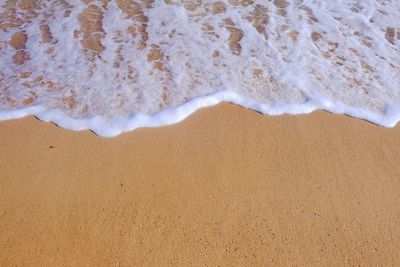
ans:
x=227 y=186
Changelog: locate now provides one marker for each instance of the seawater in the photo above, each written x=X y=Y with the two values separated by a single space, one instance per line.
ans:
x=115 y=65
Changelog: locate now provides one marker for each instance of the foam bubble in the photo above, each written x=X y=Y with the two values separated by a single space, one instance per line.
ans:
x=113 y=66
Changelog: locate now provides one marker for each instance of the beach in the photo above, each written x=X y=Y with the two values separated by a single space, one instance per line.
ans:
x=227 y=186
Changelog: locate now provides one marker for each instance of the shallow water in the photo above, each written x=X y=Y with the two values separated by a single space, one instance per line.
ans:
x=113 y=66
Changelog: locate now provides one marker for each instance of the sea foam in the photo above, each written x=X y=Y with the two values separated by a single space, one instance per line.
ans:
x=115 y=65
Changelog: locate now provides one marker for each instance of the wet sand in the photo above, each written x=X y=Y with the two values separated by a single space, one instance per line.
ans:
x=227 y=186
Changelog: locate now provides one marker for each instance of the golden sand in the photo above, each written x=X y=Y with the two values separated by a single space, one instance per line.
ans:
x=227 y=186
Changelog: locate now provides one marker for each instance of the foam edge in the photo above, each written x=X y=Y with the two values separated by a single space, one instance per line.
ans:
x=110 y=128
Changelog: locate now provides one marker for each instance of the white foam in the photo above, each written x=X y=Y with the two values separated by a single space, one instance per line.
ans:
x=339 y=56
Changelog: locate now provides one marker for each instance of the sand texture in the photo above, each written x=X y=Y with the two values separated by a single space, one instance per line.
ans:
x=227 y=186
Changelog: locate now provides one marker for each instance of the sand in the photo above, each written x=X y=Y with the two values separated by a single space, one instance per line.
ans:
x=227 y=186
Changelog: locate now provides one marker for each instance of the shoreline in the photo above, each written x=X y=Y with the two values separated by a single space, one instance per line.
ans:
x=225 y=186
x=170 y=116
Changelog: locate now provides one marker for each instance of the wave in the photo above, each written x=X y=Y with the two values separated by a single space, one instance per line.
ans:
x=113 y=66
